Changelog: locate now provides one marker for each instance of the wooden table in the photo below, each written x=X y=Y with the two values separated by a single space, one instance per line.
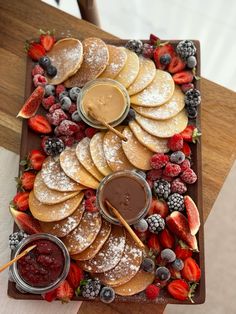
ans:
x=21 y=20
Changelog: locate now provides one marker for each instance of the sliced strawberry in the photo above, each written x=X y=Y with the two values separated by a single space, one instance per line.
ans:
x=179 y=289
x=40 y=124
x=186 y=150
x=154 y=244
x=35 y=159
x=176 y=65
x=65 y=292
x=32 y=103
x=190 y=134
x=34 y=50
x=160 y=51
x=183 y=77
x=21 y=201
x=50 y=296
x=75 y=275
x=183 y=252
x=192 y=214
x=166 y=238
x=191 y=271
x=27 y=180
x=158 y=207
x=47 y=39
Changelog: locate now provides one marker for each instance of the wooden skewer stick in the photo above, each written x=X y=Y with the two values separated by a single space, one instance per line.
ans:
x=103 y=122
x=126 y=225
x=17 y=257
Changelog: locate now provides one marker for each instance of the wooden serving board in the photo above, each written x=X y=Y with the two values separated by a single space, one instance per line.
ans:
x=30 y=140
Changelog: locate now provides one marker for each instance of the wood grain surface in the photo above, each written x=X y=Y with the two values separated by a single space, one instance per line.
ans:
x=20 y=20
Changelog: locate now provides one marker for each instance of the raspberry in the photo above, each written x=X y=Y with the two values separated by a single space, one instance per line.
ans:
x=57 y=117
x=90 y=204
x=48 y=102
x=37 y=70
x=152 y=292
x=154 y=174
x=82 y=126
x=172 y=170
x=159 y=160
x=78 y=136
x=178 y=186
x=39 y=80
x=68 y=140
x=167 y=178
x=89 y=193
x=68 y=128
x=54 y=107
x=59 y=89
x=175 y=142
x=189 y=176
x=72 y=108
x=185 y=165
x=89 y=132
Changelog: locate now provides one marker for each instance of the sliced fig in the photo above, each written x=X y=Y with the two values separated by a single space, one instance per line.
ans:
x=178 y=224
x=192 y=214
x=25 y=222
x=32 y=104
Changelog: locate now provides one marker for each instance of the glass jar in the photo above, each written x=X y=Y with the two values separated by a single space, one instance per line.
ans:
x=21 y=284
x=89 y=120
x=144 y=187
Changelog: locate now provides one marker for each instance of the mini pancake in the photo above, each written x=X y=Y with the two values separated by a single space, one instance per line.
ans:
x=56 y=179
x=83 y=235
x=127 y=268
x=164 y=128
x=130 y=71
x=117 y=60
x=170 y=109
x=95 y=247
x=95 y=60
x=66 y=55
x=137 y=284
x=147 y=72
x=109 y=255
x=83 y=154
x=48 y=196
x=138 y=155
x=114 y=154
x=97 y=153
x=63 y=227
x=73 y=169
x=155 y=144
x=159 y=91
x=56 y=212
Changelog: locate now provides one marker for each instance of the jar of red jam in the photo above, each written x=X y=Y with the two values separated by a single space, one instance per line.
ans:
x=44 y=267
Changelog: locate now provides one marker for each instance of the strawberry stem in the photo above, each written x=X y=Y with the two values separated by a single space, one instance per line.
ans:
x=192 y=292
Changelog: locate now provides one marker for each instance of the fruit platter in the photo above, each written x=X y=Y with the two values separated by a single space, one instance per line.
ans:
x=109 y=189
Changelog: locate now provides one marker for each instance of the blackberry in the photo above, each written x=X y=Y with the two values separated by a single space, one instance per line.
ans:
x=192 y=98
x=176 y=202
x=161 y=188
x=130 y=117
x=15 y=239
x=135 y=45
x=192 y=112
x=107 y=294
x=155 y=223
x=185 y=49
x=51 y=71
x=53 y=146
x=91 y=289
x=45 y=62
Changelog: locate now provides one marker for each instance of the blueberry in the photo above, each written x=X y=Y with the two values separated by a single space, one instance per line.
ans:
x=177 y=157
x=192 y=112
x=63 y=94
x=49 y=90
x=141 y=226
x=165 y=59
x=191 y=62
x=107 y=294
x=168 y=255
x=163 y=273
x=45 y=62
x=148 y=265
x=65 y=103
x=130 y=117
x=74 y=93
x=75 y=116
x=178 y=264
x=51 y=71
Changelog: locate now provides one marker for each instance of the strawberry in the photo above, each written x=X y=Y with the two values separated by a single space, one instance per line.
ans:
x=179 y=289
x=90 y=204
x=34 y=50
x=153 y=39
x=152 y=292
x=175 y=142
x=191 y=271
x=176 y=65
x=27 y=180
x=50 y=296
x=47 y=39
x=21 y=201
x=183 y=77
x=160 y=51
x=158 y=207
x=166 y=238
x=159 y=160
x=36 y=158
x=75 y=275
x=65 y=292
x=186 y=149
x=183 y=252
x=153 y=244
x=191 y=134
x=40 y=124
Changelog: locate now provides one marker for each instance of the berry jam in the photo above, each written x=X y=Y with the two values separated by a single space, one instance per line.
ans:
x=43 y=265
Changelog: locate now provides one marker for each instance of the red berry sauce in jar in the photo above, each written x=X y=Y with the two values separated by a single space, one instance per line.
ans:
x=42 y=266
